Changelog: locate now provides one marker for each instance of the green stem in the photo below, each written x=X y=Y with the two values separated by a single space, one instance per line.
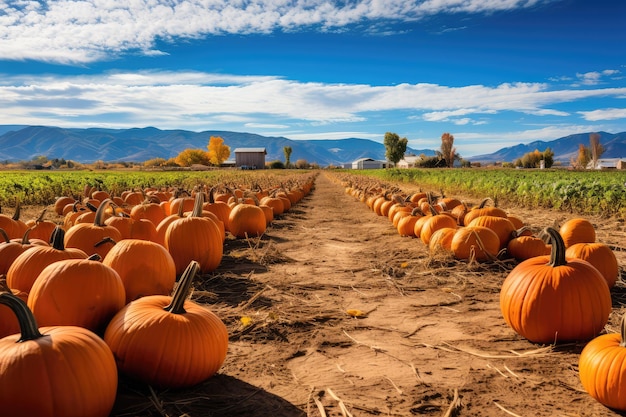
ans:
x=25 y=317
x=177 y=305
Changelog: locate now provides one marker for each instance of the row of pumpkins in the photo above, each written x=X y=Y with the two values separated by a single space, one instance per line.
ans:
x=94 y=299
x=559 y=291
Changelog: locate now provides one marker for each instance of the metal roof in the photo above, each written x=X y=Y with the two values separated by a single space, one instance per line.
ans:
x=250 y=150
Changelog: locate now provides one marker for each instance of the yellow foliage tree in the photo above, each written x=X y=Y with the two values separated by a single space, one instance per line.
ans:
x=218 y=152
x=189 y=157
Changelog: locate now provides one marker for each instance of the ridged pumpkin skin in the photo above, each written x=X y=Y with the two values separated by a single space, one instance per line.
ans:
x=599 y=255
x=247 y=220
x=77 y=292
x=435 y=223
x=26 y=267
x=88 y=236
x=549 y=299
x=196 y=238
x=169 y=342
x=526 y=247
x=60 y=371
x=442 y=239
x=602 y=369
x=503 y=227
x=577 y=230
x=145 y=268
x=478 y=241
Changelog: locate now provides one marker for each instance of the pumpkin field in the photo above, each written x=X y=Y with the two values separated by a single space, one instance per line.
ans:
x=328 y=306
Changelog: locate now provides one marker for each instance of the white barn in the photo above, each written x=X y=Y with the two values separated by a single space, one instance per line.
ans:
x=369 y=163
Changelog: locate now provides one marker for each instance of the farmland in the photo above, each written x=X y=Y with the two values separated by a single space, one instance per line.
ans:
x=428 y=338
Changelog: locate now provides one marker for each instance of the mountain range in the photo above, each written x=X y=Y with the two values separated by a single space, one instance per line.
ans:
x=23 y=143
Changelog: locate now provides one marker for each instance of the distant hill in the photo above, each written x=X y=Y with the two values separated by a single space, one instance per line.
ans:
x=564 y=148
x=23 y=143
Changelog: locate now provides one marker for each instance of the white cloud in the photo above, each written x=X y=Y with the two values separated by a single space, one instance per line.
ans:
x=191 y=99
x=595 y=77
x=604 y=114
x=83 y=31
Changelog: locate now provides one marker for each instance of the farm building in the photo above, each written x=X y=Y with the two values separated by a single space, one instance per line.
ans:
x=608 y=163
x=368 y=163
x=250 y=158
x=408 y=161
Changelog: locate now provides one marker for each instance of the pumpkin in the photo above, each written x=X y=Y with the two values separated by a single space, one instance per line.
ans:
x=61 y=202
x=40 y=228
x=602 y=370
x=525 y=247
x=504 y=228
x=549 y=299
x=169 y=342
x=475 y=243
x=89 y=236
x=434 y=223
x=483 y=210
x=60 y=371
x=77 y=292
x=12 y=225
x=247 y=220
x=26 y=267
x=196 y=237
x=145 y=268
x=405 y=222
x=442 y=239
x=599 y=255
x=151 y=211
x=11 y=249
x=577 y=230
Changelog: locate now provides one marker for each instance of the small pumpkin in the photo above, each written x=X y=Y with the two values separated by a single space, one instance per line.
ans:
x=549 y=299
x=49 y=371
x=577 y=230
x=526 y=247
x=169 y=342
x=88 y=236
x=476 y=242
x=247 y=220
x=601 y=368
x=599 y=255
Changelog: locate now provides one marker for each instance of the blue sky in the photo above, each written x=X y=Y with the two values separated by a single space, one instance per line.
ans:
x=493 y=73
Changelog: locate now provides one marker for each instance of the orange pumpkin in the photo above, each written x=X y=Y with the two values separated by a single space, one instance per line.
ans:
x=196 y=237
x=599 y=255
x=40 y=365
x=577 y=230
x=26 y=267
x=601 y=368
x=549 y=299
x=77 y=292
x=475 y=242
x=169 y=342
x=526 y=247
x=247 y=220
x=145 y=268
x=96 y=237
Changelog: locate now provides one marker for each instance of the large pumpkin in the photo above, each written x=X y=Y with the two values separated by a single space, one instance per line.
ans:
x=146 y=268
x=60 y=371
x=549 y=299
x=169 y=342
x=77 y=292
x=602 y=368
x=197 y=238
x=475 y=243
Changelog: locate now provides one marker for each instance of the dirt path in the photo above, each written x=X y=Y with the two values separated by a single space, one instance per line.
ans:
x=431 y=341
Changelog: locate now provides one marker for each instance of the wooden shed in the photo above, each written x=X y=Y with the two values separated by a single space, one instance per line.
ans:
x=250 y=158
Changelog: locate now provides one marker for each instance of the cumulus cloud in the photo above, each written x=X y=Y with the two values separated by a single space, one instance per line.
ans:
x=83 y=31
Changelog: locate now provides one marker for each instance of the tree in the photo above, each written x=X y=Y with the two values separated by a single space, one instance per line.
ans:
x=395 y=147
x=596 y=149
x=189 y=157
x=583 y=158
x=448 y=151
x=218 y=152
x=287 y=151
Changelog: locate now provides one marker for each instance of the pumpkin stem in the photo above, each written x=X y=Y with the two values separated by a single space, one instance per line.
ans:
x=57 y=238
x=622 y=342
x=99 y=219
x=177 y=305
x=25 y=317
x=197 y=204
x=3 y=234
x=557 y=253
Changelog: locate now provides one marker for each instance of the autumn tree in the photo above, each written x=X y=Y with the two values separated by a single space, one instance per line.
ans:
x=582 y=159
x=395 y=147
x=287 y=151
x=448 y=151
x=218 y=152
x=533 y=159
x=596 y=149
x=190 y=157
